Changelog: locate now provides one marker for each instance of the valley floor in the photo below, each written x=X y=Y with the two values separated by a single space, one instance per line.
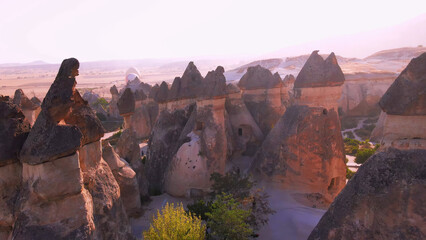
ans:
x=292 y=220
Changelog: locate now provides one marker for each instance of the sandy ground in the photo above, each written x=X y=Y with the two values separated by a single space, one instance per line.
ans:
x=292 y=220
x=352 y=165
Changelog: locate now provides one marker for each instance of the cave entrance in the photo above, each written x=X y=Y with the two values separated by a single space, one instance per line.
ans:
x=333 y=183
x=240 y=132
x=199 y=126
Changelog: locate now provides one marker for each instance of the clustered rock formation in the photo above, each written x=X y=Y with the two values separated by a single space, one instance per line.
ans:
x=385 y=198
x=61 y=188
x=304 y=150
x=205 y=124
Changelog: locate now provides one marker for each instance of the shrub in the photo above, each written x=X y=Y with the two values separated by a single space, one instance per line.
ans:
x=102 y=102
x=200 y=208
x=349 y=173
x=351 y=146
x=174 y=223
x=101 y=116
x=363 y=154
x=232 y=183
x=228 y=220
x=259 y=208
x=349 y=134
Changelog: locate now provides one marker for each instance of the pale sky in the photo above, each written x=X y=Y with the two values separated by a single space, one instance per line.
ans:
x=51 y=30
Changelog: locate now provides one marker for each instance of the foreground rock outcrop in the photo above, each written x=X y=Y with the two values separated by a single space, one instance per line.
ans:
x=68 y=190
x=384 y=200
x=304 y=152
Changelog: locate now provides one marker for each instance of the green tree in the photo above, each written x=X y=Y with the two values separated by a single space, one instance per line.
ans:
x=228 y=220
x=231 y=183
x=173 y=223
x=363 y=154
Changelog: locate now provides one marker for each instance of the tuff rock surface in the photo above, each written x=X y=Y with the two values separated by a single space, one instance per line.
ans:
x=383 y=200
x=304 y=151
x=407 y=94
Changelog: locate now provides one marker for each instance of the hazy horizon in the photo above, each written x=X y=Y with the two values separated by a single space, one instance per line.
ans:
x=50 y=30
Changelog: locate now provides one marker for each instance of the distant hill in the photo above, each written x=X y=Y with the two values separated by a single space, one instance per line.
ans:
x=398 y=53
x=383 y=63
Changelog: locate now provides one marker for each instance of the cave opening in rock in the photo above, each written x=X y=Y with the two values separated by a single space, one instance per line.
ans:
x=200 y=126
x=240 y=132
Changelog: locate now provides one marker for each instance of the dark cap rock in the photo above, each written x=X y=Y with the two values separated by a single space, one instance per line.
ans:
x=140 y=95
x=214 y=84
x=126 y=103
x=153 y=92
x=188 y=85
x=318 y=72
x=14 y=130
x=258 y=77
x=48 y=141
x=407 y=94
x=113 y=90
x=163 y=93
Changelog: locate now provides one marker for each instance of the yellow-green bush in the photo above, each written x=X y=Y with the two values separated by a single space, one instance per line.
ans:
x=173 y=223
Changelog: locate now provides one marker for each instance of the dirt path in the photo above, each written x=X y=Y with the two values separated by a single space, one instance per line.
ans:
x=360 y=125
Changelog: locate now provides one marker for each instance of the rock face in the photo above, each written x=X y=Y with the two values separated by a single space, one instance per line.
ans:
x=69 y=191
x=28 y=107
x=304 y=151
x=318 y=72
x=14 y=129
x=319 y=83
x=163 y=145
x=407 y=94
x=262 y=96
x=246 y=134
x=190 y=138
x=204 y=154
x=126 y=179
x=113 y=108
x=128 y=148
x=384 y=200
x=361 y=94
x=405 y=102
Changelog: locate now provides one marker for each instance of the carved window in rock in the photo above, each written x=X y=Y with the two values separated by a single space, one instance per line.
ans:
x=240 y=132
x=333 y=184
x=199 y=126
